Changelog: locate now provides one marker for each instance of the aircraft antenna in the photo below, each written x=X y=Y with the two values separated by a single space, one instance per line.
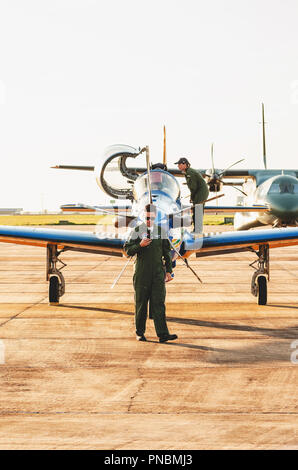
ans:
x=264 y=139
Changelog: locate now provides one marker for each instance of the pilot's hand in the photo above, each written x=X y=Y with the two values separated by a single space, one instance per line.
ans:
x=168 y=277
x=145 y=242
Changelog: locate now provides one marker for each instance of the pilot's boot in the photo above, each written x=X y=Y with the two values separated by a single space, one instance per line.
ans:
x=164 y=339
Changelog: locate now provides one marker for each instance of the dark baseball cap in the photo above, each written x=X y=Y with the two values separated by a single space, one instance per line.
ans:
x=182 y=160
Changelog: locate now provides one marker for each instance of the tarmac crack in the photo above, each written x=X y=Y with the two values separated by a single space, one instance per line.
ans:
x=137 y=392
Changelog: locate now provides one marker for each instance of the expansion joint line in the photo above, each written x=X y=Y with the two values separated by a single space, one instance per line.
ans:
x=17 y=314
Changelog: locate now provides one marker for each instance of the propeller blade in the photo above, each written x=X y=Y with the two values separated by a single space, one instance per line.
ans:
x=148 y=174
x=121 y=272
x=104 y=211
x=190 y=207
x=239 y=190
x=215 y=197
x=264 y=139
x=185 y=261
x=212 y=160
x=164 y=147
x=231 y=166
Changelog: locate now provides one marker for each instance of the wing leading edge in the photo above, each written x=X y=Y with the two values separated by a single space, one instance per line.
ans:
x=112 y=245
x=76 y=240
x=244 y=240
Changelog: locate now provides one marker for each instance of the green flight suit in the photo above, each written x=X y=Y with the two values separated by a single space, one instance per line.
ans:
x=198 y=187
x=149 y=277
x=198 y=190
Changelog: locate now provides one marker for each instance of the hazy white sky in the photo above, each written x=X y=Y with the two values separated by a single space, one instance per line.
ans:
x=78 y=75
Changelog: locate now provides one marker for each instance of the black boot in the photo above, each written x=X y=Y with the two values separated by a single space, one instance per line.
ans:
x=163 y=339
x=141 y=338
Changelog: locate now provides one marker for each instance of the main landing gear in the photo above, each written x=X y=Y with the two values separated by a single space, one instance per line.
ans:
x=54 y=275
x=261 y=274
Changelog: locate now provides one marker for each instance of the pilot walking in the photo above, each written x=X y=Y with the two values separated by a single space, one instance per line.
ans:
x=197 y=185
x=153 y=268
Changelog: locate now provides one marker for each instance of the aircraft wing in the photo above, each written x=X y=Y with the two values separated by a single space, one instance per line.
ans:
x=257 y=174
x=109 y=244
x=75 y=240
x=244 y=240
x=56 y=241
x=227 y=174
x=233 y=209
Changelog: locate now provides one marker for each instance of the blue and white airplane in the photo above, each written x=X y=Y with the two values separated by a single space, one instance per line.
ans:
x=161 y=188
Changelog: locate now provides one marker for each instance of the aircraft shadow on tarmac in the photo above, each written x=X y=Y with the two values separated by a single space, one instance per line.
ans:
x=266 y=351
x=97 y=309
x=282 y=306
x=262 y=352
x=283 y=333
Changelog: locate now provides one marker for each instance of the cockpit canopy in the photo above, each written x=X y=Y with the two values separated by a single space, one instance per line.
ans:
x=162 y=184
x=283 y=185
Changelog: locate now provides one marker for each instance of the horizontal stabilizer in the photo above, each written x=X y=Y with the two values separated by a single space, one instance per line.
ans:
x=74 y=167
x=83 y=208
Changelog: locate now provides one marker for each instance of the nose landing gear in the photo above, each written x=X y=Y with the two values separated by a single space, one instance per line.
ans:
x=261 y=274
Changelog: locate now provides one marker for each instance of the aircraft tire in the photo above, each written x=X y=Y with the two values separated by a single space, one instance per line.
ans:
x=54 y=290
x=262 y=290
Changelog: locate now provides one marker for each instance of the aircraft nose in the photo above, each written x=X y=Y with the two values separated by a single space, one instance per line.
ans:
x=284 y=206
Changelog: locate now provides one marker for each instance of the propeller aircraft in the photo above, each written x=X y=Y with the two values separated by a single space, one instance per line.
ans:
x=272 y=193
x=158 y=186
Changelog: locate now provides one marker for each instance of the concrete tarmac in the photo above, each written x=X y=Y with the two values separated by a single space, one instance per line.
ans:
x=73 y=376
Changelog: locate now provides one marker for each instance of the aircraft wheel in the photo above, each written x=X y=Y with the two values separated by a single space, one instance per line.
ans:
x=54 y=290
x=262 y=290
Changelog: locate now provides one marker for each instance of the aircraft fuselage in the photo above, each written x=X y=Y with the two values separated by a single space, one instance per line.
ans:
x=279 y=193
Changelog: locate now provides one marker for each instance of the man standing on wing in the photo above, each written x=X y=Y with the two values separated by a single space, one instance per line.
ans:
x=153 y=251
x=197 y=185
